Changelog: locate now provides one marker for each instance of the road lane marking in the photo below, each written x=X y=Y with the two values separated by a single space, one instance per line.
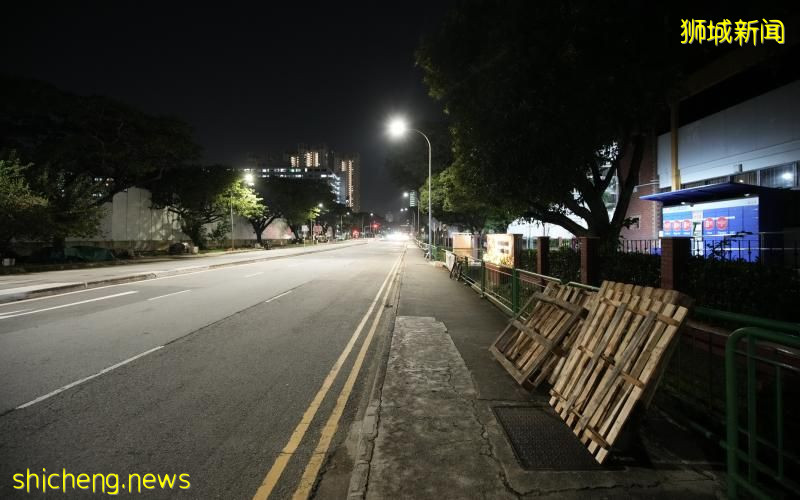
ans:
x=274 y=474
x=182 y=275
x=254 y=274
x=86 y=379
x=68 y=305
x=277 y=297
x=168 y=295
x=326 y=435
x=12 y=312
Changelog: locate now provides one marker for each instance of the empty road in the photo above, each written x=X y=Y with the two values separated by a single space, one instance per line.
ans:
x=236 y=377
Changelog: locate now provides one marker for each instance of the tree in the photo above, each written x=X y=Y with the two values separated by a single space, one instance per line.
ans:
x=93 y=136
x=454 y=202
x=198 y=196
x=71 y=210
x=549 y=102
x=297 y=200
x=251 y=206
x=21 y=209
x=331 y=216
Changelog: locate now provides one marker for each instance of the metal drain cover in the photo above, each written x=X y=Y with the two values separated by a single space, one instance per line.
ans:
x=541 y=440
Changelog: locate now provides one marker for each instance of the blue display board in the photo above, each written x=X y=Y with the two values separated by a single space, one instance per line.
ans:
x=729 y=228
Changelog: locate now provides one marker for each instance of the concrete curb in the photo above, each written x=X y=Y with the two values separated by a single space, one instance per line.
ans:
x=44 y=292
x=368 y=432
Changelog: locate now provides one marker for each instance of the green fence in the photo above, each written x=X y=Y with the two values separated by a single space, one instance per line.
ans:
x=762 y=419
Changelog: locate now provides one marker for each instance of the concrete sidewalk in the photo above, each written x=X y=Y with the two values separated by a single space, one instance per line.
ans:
x=15 y=287
x=431 y=430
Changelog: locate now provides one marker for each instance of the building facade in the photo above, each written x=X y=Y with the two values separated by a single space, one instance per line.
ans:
x=348 y=166
x=340 y=171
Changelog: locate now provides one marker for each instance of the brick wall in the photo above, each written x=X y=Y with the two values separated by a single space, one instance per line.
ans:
x=648 y=212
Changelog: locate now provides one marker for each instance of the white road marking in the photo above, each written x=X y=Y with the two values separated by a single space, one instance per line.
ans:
x=12 y=312
x=68 y=305
x=86 y=379
x=254 y=274
x=182 y=275
x=168 y=295
x=277 y=297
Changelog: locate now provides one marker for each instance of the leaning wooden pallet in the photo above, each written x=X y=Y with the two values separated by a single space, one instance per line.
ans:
x=615 y=358
x=532 y=344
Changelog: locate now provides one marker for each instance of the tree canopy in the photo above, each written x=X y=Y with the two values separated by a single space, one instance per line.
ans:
x=200 y=196
x=94 y=136
x=21 y=209
x=296 y=200
x=548 y=102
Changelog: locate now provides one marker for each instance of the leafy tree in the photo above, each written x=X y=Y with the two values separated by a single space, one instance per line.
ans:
x=454 y=202
x=198 y=196
x=71 y=208
x=297 y=200
x=94 y=136
x=21 y=209
x=331 y=216
x=252 y=207
x=549 y=101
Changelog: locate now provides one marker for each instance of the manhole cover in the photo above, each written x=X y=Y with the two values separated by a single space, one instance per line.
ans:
x=541 y=440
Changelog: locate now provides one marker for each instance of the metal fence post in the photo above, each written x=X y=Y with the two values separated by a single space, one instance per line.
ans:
x=514 y=290
x=483 y=278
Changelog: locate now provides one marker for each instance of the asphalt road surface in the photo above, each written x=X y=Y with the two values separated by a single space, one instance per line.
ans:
x=228 y=375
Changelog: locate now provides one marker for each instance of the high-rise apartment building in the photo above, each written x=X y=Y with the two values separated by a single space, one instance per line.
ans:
x=305 y=162
x=348 y=167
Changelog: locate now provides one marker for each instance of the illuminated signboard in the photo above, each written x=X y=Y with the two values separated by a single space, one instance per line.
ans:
x=502 y=249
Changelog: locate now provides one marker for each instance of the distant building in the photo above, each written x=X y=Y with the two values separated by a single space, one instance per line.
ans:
x=315 y=162
x=726 y=170
x=348 y=167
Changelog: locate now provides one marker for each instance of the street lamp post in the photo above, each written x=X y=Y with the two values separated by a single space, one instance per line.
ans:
x=397 y=128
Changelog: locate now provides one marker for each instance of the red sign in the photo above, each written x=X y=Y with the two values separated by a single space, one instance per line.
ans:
x=722 y=223
x=708 y=224
x=687 y=225
x=667 y=225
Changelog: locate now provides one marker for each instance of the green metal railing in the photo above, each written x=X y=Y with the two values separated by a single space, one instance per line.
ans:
x=762 y=466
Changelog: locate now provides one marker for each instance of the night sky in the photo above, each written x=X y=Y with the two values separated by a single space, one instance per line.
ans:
x=248 y=78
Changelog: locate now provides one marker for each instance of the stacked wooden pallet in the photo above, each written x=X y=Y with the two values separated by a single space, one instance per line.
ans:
x=534 y=344
x=616 y=360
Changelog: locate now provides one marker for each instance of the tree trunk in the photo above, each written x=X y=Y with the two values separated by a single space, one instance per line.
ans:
x=295 y=231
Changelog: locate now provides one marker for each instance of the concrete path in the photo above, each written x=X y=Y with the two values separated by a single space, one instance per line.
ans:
x=431 y=442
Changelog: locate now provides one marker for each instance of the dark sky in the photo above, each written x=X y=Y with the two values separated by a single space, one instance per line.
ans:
x=250 y=78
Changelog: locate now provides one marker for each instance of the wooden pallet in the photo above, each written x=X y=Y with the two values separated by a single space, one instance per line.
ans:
x=617 y=356
x=535 y=342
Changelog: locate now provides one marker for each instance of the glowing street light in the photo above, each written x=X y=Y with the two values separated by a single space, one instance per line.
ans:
x=396 y=129
x=249 y=179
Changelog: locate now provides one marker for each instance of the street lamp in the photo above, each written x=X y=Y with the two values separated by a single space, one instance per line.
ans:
x=397 y=128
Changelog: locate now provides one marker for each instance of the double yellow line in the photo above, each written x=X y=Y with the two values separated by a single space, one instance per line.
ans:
x=318 y=456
